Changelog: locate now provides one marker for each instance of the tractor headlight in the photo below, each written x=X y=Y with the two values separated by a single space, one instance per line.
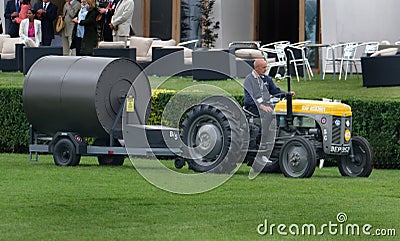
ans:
x=347 y=135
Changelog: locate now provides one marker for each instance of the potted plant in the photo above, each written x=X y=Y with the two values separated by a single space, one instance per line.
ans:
x=208 y=23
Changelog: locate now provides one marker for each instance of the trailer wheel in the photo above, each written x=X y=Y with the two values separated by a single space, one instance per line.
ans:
x=108 y=160
x=111 y=160
x=213 y=137
x=360 y=165
x=297 y=158
x=64 y=153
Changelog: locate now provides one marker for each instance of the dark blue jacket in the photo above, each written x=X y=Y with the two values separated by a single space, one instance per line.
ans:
x=47 y=19
x=252 y=87
x=268 y=85
x=13 y=28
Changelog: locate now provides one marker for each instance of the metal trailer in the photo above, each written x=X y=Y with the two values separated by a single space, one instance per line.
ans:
x=70 y=99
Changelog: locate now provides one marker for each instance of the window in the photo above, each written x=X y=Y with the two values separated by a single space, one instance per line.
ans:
x=312 y=28
x=190 y=27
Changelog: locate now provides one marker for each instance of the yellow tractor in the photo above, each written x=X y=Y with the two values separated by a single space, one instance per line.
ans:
x=219 y=134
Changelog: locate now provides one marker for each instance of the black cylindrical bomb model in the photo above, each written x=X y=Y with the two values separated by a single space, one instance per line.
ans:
x=83 y=94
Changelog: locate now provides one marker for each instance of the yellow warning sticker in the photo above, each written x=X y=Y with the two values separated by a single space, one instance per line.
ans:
x=130 y=104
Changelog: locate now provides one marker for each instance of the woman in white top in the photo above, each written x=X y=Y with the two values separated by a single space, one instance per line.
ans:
x=30 y=31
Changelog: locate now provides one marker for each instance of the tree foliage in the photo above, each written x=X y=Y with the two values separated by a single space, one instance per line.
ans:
x=208 y=23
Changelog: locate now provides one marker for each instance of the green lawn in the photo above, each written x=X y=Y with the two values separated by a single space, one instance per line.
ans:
x=11 y=79
x=40 y=201
x=314 y=89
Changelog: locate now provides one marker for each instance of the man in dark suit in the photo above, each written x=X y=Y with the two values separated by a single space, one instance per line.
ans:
x=47 y=13
x=10 y=13
x=107 y=10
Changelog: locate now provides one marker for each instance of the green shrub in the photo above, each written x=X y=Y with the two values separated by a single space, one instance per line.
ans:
x=14 y=128
x=378 y=121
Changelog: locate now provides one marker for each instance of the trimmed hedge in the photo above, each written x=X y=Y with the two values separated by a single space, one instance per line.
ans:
x=14 y=127
x=377 y=121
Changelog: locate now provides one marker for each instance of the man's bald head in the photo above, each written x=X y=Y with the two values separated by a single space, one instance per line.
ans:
x=260 y=66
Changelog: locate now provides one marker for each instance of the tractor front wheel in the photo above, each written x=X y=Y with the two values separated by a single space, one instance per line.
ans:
x=359 y=162
x=298 y=158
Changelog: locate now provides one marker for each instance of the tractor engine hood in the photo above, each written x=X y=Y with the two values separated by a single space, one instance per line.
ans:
x=316 y=107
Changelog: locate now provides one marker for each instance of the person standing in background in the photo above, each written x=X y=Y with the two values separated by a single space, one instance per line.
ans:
x=23 y=12
x=47 y=13
x=11 y=12
x=107 y=12
x=121 y=21
x=85 y=29
x=70 y=9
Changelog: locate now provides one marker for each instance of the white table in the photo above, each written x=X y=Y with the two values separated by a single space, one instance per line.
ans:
x=320 y=47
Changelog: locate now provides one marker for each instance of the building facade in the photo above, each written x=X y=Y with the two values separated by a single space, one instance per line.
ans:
x=326 y=21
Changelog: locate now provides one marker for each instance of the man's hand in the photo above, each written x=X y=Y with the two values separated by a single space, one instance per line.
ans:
x=102 y=10
x=115 y=28
x=266 y=108
x=14 y=14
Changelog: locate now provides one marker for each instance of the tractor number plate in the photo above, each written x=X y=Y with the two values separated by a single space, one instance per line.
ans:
x=340 y=149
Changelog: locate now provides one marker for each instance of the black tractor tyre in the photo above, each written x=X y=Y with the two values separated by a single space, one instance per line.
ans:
x=361 y=164
x=297 y=158
x=111 y=160
x=108 y=160
x=179 y=163
x=204 y=125
x=272 y=167
x=64 y=153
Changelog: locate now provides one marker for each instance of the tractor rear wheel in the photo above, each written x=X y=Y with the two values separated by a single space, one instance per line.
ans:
x=64 y=153
x=213 y=139
x=360 y=164
x=272 y=166
x=297 y=158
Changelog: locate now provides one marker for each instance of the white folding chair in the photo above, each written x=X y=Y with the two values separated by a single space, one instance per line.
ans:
x=332 y=56
x=255 y=44
x=370 y=47
x=348 y=58
x=302 y=61
x=192 y=44
x=278 y=49
x=385 y=42
x=272 y=45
